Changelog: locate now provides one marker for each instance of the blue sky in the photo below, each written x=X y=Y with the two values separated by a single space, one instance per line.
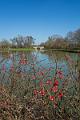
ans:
x=39 y=18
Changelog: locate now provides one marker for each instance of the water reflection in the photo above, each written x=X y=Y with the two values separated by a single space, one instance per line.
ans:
x=44 y=58
x=21 y=66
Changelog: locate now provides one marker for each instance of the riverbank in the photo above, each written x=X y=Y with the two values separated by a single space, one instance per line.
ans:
x=21 y=49
x=31 y=49
x=66 y=50
x=16 y=49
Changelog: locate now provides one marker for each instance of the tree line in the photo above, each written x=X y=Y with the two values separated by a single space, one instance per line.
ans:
x=70 y=41
x=18 y=42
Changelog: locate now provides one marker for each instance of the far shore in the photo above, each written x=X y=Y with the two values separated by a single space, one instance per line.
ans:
x=31 y=49
x=66 y=50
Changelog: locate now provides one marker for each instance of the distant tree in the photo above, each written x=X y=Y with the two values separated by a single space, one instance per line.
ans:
x=42 y=44
x=13 y=42
x=73 y=38
x=54 y=41
x=4 y=43
x=29 y=41
x=21 y=41
x=77 y=37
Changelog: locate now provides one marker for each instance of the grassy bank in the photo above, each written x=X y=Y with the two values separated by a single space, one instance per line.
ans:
x=21 y=49
x=31 y=49
x=66 y=50
x=16 y=49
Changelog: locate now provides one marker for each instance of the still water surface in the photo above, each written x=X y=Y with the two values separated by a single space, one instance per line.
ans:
x=43 y=59
x=36 y=61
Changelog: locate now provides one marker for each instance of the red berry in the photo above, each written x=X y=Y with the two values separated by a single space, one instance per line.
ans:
x=51 y=98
